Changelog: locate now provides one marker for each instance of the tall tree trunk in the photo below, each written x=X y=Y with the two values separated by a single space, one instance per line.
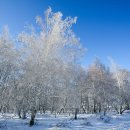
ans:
x=19 y=114
x=75 y=114
x=33 y=114
x=24 y=115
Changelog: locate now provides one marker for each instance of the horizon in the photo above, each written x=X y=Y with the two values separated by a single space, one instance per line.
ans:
x=102 y=26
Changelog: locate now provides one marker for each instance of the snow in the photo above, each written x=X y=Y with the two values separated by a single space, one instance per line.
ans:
x=66 y=122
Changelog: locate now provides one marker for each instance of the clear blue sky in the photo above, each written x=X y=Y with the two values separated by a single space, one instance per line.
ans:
x=103 y=25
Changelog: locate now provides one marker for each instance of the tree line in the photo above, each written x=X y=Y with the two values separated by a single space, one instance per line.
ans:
x=40 y=71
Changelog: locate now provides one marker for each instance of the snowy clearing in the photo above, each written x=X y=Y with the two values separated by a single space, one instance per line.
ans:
x=65 y=122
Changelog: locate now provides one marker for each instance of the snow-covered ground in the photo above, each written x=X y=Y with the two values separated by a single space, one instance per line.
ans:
x=66 y=122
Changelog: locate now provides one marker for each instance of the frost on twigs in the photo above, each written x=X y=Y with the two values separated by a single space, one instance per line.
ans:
x=55 y=38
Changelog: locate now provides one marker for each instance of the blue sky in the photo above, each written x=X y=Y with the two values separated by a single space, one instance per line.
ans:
x=103 y=25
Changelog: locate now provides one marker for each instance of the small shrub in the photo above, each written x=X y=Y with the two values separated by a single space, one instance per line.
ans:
x=87 y=124
x=105 y=119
